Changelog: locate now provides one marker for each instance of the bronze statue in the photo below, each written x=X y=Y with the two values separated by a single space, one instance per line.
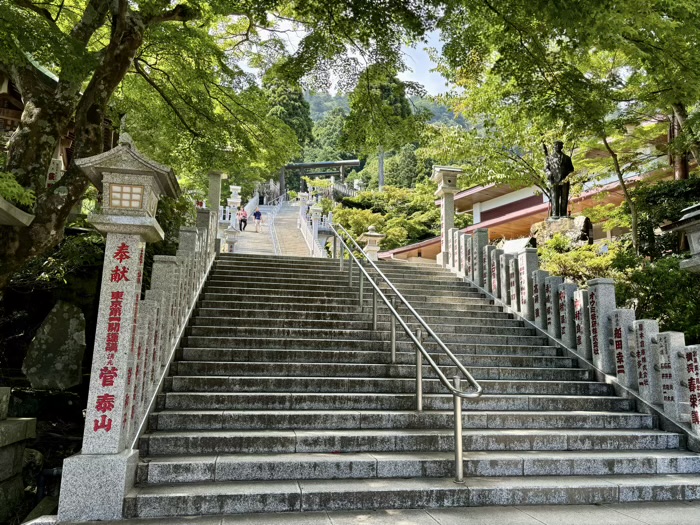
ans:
x=558 y=168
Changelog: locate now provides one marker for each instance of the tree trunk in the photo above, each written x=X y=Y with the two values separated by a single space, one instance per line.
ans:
x=681 y=116
x=628 y=198
x=45 y=119
x=381 y=168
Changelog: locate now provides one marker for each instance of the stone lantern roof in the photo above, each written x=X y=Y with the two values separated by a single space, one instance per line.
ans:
x=126 y=159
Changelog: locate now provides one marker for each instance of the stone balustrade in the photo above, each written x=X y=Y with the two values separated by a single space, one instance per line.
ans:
x=659 y=367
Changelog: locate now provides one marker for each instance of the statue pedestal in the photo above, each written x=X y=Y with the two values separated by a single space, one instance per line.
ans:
x=579 y=230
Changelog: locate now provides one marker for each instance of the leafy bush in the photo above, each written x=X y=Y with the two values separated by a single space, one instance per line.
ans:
x=13 y=192
x=661 y=290
x=407 y=216
x=579 y=264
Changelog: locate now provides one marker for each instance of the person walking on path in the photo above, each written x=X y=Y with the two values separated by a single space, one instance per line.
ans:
x=242 y=217
x=257 y=216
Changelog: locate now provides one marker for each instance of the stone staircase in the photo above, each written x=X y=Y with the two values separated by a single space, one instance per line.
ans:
x=283 y=399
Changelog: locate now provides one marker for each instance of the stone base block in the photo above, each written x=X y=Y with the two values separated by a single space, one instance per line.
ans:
x=441 y=259
x=11 y=493
x=85 y=477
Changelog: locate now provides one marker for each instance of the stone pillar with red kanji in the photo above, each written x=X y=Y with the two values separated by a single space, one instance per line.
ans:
x=496 y=273
x=469 y=257
x=672 y=361
x=646 y=333
x=539 y=299
x=504 y=263
x=527 y=263
x=622 y=320
x=567 y=316
x=480 y=239
x=601 y=303
x=115 y=343
x=582 y=320
x=95 y=482
x=487 y=282
x=464 y=244
x=551 y=298
x=693 y=385
x=514 y=284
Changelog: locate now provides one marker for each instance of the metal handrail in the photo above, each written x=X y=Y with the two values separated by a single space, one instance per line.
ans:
x=421 y=353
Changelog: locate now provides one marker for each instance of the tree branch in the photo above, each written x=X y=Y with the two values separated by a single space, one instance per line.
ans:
x=179 y=13
x=165 y=97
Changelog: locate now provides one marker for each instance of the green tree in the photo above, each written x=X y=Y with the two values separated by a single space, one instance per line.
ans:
x=328 y=139
x=289 y=105
x=381 y=117
x=90 y=46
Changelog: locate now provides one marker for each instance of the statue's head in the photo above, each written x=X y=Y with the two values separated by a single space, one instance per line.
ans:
x=558 y=146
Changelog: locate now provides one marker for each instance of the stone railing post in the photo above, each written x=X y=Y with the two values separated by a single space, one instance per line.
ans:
x=567 y=316
x=582 y=317
x=456 y=251
x=480 y=239
x=495 y=271
x=504 y=269
x=648 y=366
x=316 y=211
x=551 y=297
x=463 y=240
x=539 y=299
x=514 y=283
x=527 y=263
x=622 y=320
x=692 y=384
x=450 y=262
x=446 y=179
x=673 y=370
x=601 y=303
x=215 y=178
x=486 y=283
x=469 y=257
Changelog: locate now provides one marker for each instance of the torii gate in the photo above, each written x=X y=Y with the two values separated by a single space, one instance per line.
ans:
x=333 y=168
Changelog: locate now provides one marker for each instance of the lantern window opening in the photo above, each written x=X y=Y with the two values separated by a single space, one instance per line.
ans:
x=126 y=196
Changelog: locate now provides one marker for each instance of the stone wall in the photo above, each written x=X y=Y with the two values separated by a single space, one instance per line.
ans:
x=14 y=434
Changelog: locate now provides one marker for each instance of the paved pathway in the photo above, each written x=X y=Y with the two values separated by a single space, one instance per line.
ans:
x=291 y=241
x=659 y=513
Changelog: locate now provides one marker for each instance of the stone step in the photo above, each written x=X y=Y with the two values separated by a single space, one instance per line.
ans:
x=253 y=368
x=309 y=465
x=233 y=257
x=261 y=294
x=457 y=333
x=318 y=419
x=484 y=335
x=346 y=341
x=285 y=496
x=365 y=357
x=401 y=440
x=246 y=300
x=278 y=284
x=373 y=384
x=384 y=401
x=359 y=322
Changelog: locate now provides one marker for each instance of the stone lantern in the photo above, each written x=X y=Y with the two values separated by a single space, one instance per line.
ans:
x=234 y=201
x=690 y=225
x=446 y=178
x=316 y=212
x=131 y=185
x=231 y=237
x=372 y=238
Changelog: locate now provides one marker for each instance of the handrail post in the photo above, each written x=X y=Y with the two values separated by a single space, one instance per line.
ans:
x=374 y=309
x=419 y=373
x=342 y=256
x=335 y=246
x=459 y=461
x=362 y=292
x=350 y=272
x=393 y=332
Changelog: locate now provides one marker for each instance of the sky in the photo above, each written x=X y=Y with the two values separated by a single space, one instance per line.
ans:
x=420 y=66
